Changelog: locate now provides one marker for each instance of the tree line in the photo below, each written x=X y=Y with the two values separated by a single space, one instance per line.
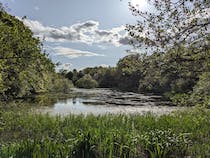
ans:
x=176 y=34
x=181 y=75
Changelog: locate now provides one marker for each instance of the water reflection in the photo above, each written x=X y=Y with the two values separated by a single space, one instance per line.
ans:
x=74 y=100
x=104 y=101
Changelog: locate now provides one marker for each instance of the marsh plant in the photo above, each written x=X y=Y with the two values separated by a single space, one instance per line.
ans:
x=163 y=143
x=181 y=134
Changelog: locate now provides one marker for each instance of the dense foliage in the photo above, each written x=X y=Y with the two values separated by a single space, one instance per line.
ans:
x=178 y=135
x=86 y=82
x=181 y=75
x=23 y=68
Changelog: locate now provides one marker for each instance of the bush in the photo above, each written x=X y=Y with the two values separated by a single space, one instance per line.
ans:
x=201 y=91
x=87 y=82
x=181 y=99
x=200 y=95
x=60 y=84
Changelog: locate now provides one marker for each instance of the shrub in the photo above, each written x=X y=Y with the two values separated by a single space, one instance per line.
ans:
x=181 y=99
x=87 y=82
x=200 y=95
x=60 y=84
x=201 y=91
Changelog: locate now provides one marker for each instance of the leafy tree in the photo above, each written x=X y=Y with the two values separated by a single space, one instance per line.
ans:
x=69 y=75
x=107 y=78
x=129 y=72
x=59 y=84
x=178 y=31
x=152 y=79
x=24 y=68
x=80 y=74
x=75 y=76
x=86 y=82
x=201 y=91
x=171 y=23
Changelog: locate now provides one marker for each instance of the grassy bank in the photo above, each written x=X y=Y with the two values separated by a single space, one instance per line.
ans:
x=23 y=134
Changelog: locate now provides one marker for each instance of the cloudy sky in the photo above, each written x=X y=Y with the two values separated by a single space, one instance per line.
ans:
x=78 y=33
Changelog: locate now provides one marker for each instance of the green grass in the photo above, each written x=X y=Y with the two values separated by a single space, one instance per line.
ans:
x=23 y=134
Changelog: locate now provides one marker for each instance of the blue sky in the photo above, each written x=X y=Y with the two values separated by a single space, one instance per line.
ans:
x=78 y=33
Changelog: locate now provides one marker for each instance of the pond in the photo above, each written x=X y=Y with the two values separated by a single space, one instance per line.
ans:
x=105 y=101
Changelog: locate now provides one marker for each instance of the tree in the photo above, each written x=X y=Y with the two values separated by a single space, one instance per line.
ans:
x=75 y=76
x=172 y=23
x=151 y=74
x=201 y=91
x=86 y=82
x=175 y=71
x=107 y=78
x=24 y=67
x=69 y=75
x=129 y=72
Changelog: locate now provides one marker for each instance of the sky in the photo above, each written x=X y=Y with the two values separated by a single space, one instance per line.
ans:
x=78 y=33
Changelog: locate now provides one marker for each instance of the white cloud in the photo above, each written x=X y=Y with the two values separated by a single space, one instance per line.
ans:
x=73 y=53
x=87 y=32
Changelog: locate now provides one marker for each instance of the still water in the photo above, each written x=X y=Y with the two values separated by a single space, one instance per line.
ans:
x=106 y=101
